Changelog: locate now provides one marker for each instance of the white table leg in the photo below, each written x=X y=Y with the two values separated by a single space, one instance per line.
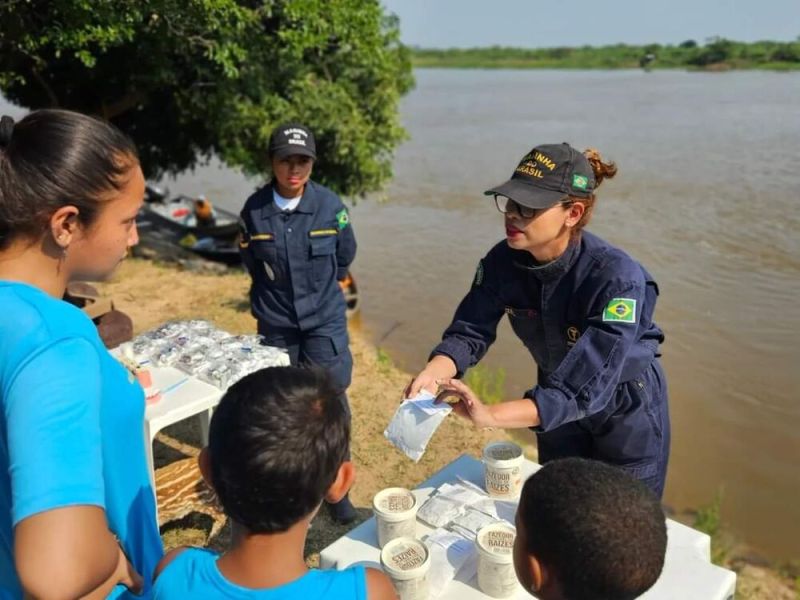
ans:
x=205 y=422
x=149 y=437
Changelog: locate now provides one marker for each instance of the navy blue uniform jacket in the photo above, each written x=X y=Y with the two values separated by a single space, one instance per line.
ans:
x=296 y=259
x=586 y=318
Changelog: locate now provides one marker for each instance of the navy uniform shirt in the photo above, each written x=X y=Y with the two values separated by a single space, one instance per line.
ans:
x=297 y=258
x=586 y=318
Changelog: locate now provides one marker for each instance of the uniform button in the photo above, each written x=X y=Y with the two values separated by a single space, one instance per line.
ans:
x=289 y=230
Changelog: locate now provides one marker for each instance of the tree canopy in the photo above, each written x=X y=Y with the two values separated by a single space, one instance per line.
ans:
x=187 y=79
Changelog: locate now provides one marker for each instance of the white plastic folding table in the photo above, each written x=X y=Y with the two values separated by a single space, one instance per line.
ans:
x=688 y=573
x=183 y=396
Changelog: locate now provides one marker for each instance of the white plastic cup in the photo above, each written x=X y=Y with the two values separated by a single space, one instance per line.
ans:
x=503 y=469
x=496 y=576
x=406 y=561
x=395 y=514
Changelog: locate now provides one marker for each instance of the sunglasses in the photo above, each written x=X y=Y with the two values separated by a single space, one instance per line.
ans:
x=505 y=205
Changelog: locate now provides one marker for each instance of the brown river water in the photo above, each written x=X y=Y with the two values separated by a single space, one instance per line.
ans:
x=706 y=198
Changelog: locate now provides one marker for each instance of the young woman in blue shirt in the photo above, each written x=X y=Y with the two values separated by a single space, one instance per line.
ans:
x=77 y=511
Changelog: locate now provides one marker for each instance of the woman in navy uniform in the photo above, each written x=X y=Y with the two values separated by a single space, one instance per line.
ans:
x=297 y=244
x=584 y=310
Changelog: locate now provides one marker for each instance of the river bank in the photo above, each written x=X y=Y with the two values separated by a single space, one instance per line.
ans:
x=718 y=54
x=425 y=62
x=152 y=292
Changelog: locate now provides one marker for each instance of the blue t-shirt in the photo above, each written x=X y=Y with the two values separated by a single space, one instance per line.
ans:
x=71 y=430
x=194 y=574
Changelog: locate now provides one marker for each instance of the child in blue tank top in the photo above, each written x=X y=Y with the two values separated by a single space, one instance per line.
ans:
x=277 y=448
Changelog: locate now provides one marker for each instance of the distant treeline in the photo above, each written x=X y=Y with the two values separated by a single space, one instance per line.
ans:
x=717 y=53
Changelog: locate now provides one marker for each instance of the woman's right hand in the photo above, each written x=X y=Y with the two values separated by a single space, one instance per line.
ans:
x=426 y=380
x=439 y=367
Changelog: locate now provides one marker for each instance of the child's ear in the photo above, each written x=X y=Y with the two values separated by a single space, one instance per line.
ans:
x=204 y=462
x=539 y=575
x=344 y=480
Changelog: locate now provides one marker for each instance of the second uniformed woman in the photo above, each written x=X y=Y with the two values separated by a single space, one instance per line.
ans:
x=297 y=244
x=584 y=310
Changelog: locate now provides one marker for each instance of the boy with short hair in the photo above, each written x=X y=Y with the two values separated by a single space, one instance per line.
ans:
x=277 y=447
x=588 y=531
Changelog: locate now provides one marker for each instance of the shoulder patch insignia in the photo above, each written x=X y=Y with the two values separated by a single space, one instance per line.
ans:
x=342 y=218
x=620 y=310
x=478 y=274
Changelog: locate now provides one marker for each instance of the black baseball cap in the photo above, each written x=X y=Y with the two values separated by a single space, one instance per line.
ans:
x=292 y=138
x=547 y=175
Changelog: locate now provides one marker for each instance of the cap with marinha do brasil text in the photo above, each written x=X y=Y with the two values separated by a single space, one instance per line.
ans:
x=547 y=175
x=292 y=138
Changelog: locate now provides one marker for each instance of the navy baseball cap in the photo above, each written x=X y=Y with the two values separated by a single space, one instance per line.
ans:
x=292 y=138
x=547 y=175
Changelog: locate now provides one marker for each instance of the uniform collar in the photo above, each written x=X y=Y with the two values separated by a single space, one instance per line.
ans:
x=307 y=202
x=306 y=205
x=553 y=270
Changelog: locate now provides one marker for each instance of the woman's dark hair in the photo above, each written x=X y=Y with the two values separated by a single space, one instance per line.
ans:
x=602 y=170
x=600 y=531
x=276 y=442
x=56 y=158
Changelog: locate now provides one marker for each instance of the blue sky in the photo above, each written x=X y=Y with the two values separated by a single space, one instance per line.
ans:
x=537 y=24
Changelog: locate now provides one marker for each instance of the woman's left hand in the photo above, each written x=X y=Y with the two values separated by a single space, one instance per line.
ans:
x=468 y=405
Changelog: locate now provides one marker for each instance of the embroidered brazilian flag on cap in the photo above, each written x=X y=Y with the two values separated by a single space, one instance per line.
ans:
x=620 y=310
x=579 y=182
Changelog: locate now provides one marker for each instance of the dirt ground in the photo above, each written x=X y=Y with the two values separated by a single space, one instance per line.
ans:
x=152 y=293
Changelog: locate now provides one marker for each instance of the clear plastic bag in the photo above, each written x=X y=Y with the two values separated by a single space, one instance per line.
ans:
x=450 y=554
x=198 y=348
x=439 y=510
x=468 y=524
x=414 y=423
x=218 y=373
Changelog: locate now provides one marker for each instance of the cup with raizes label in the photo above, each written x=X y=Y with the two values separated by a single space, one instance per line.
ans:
x=496 y=576
x=395 y=514
x=406 y=561
x=502 y=463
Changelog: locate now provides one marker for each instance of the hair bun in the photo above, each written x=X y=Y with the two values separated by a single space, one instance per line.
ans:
x=6 y=130
x=602 y=170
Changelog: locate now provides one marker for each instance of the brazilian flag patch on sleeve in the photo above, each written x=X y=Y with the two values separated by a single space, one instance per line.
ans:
x=342 y=218
x=620 y=310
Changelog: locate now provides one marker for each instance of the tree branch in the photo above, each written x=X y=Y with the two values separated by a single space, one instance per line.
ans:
x=51 y=95
x=122 y=105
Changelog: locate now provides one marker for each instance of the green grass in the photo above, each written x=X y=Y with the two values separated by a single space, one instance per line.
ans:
x=384 y=360
x=709 y=520
x=488 y=384
x=791 y=571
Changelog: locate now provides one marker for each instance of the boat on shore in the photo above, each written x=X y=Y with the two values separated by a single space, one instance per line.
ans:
x=184 y=215
x=221 y=250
